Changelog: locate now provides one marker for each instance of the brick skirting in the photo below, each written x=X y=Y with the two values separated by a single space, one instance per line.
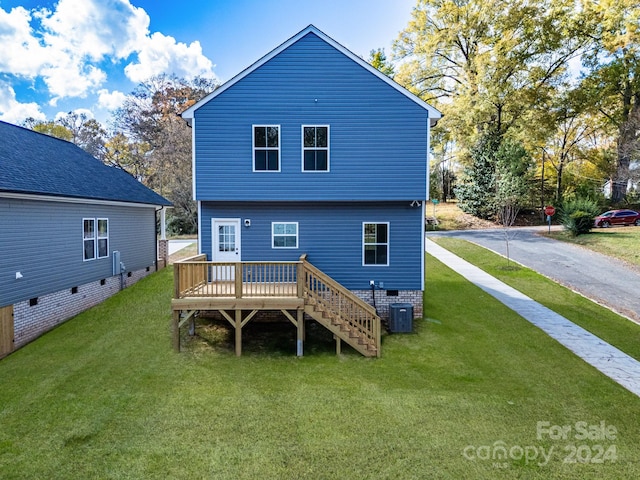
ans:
x=384 y=299
x=49 y=311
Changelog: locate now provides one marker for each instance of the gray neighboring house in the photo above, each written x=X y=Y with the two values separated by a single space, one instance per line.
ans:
x=73 y=232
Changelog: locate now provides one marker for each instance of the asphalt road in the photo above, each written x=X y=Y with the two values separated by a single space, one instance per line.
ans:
x=605 y=280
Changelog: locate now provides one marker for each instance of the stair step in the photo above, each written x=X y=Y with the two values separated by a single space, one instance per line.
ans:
x=326 y=311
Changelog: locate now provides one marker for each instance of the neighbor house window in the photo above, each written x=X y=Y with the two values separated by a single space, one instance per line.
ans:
x=89 y=238
x=103 y=237
x=95 y=238
x=284 y=235
x=266 y=148
x=375 y=243
x=315 y=148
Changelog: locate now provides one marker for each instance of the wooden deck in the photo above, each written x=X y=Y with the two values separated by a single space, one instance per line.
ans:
x=240 y=290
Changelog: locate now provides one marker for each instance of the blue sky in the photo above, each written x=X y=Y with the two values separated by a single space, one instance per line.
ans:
x=63 y=55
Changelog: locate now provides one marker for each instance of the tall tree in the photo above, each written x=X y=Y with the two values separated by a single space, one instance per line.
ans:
x=50 y=128
x=150 y=119
x=86 y=132
x=572 y=128
x=131 y=156
x=486 y=62
x=378 y=60
x=476 y=189
x=614 y=79
x=77 y=128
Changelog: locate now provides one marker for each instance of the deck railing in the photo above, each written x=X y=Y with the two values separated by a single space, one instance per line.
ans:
x=196 y=277
x=340 y=302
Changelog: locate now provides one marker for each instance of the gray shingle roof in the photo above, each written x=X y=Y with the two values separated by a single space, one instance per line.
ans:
x=34 y=163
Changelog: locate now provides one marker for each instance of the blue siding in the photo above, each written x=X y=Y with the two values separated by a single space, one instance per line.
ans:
x=378 y=135
x=331 y=235
x=43 y=241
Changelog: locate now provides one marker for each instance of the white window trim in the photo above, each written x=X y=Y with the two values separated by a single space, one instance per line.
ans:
x=308 y=148
x=98 y=237
x=253 y=148
x=273 y=235
x=388 y=244
x=84 y=239
x=95 y=239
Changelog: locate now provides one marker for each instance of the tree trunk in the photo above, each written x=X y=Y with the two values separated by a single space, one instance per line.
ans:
x=559 y=184
x=626 y=145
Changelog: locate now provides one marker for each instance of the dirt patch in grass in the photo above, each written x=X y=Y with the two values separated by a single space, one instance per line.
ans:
x=261 y=336
x=450 y=217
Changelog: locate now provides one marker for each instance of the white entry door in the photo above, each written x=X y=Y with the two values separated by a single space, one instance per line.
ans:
x=226 y=240
x=225 y=233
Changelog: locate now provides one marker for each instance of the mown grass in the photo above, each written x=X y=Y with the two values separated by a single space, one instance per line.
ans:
x=104 y=396
x=602 y=322
x=618 y=242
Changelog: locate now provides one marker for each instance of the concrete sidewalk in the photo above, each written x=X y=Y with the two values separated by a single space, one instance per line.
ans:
x=177 y=245
x=601 y=278
x=614 y=363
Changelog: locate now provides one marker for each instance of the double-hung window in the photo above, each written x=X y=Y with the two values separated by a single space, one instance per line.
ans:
x=375 y=244
x=315 y=148
x=266 y=148
x=103 y=237
x=284 y=235
x=89 y=238
x=95 y=238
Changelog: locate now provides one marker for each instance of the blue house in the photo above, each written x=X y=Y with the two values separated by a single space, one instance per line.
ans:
x=73 y=232
x=313 y=151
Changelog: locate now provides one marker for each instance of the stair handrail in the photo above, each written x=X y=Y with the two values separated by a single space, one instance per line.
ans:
x=372 y=328
x=332 y=283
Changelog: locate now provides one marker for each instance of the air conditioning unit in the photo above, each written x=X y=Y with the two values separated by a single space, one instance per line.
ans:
x=400 y=318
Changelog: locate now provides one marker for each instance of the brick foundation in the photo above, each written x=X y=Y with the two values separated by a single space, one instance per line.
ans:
x=53 y=309
x=383 y=300
x=163 y=253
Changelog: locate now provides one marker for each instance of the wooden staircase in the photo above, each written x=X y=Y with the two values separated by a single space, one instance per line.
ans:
x=340 y=311
x=239 y=290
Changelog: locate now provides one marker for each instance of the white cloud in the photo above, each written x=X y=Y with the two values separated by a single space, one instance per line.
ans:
x=72 y=79
x=13 y=111
x=110 y=100
x=162 y=54
x=21 y=52
x=71 y=46
x=95 y=29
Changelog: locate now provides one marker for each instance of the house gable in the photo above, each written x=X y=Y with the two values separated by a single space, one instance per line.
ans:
x=378 y=131
x=434 y=114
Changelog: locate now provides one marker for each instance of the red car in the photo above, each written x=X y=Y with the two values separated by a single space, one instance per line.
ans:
x=617 y=217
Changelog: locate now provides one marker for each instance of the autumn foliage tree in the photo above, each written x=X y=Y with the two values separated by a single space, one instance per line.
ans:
x=158 y=141
x=494 y=68
x=613 y=78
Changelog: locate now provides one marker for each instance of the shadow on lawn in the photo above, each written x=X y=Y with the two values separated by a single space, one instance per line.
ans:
x=259 y=337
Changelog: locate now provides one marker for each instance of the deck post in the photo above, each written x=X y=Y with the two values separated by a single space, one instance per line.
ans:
x=238 y=332
x=300 y=276
x=338 y=344
x=300 y=325
x=238 y=279
x=176 y=330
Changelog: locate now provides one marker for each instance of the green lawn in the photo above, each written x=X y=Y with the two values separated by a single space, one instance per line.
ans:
x=600 y=321
x=619 y=242
x=104 y=396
